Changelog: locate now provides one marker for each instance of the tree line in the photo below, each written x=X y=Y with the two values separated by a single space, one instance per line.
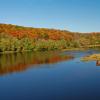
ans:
x=18 y=38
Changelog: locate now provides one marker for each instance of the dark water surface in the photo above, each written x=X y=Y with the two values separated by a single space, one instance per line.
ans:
x=49 y=76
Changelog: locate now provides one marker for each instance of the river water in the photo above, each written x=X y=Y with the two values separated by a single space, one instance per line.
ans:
x=49 y=76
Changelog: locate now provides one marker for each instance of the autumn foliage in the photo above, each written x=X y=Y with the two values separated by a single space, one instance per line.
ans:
x=18 y=38
x=36 y=33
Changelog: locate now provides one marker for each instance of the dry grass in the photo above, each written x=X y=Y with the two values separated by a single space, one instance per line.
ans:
x=93 y=57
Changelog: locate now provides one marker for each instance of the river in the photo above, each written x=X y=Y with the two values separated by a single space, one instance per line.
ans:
x=49 y=76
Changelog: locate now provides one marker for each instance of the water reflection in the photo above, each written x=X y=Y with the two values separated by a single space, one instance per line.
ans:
x=21 y=61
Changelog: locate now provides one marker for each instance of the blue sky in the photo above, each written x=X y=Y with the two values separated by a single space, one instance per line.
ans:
x=73 y=15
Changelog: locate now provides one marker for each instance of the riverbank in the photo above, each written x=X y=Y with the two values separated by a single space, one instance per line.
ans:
x=75 y=49
x=68 y=49
x=93 y=57
x=8 y=52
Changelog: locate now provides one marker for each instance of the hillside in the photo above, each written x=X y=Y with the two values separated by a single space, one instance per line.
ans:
x=36 y=33
x=18 y=38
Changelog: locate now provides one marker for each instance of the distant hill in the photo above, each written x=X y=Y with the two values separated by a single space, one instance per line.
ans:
x=18 y=38
x=20 y=31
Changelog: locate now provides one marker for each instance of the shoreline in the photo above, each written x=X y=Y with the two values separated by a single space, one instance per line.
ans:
x=68 y=49
x=93 y=57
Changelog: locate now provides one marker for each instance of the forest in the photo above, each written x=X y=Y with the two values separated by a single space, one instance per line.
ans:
x=14 y=38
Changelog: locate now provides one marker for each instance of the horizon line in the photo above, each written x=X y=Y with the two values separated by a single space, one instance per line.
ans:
x=61 y=29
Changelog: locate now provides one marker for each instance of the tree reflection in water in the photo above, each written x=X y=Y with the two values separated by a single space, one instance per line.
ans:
x=17 y=62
